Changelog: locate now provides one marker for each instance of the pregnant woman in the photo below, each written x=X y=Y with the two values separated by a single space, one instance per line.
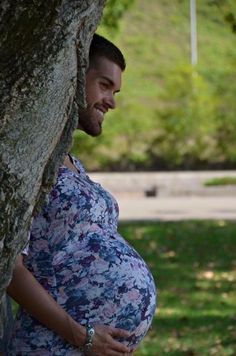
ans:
x=86 y=289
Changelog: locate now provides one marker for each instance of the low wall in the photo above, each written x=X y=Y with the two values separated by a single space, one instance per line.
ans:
x=164 y=183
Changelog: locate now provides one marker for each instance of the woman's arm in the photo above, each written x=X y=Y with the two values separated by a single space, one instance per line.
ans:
x=29 y=293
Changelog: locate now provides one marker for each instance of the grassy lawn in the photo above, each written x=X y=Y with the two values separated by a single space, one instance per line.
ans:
x=194 y=265
x=220 y=181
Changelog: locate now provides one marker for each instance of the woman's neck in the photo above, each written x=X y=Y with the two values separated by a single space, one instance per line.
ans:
x=67 y=163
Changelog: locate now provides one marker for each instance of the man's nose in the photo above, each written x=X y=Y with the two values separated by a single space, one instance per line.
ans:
x=110 y=101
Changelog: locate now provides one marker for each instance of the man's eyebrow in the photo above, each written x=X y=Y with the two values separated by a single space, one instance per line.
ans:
x=110 y=81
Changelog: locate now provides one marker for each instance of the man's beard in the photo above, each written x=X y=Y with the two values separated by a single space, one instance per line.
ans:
x=89 y=123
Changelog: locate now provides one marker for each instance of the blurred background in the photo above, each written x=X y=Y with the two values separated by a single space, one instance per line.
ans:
x=174 y=112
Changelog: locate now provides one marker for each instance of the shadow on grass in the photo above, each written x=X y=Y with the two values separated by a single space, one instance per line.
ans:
x=194 y=266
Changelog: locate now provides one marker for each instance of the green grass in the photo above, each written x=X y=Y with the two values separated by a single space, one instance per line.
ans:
x=194 y=265
x=220 y=181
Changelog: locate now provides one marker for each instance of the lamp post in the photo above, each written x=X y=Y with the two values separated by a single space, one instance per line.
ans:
x=193 y=32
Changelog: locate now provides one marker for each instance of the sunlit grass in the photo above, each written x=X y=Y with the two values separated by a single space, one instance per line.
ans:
x=220 y=181
x=194 y=265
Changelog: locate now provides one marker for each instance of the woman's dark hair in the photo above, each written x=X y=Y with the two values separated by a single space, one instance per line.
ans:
x=101 y=47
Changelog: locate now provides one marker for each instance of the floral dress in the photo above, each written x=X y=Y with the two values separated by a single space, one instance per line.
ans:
x=77 y=255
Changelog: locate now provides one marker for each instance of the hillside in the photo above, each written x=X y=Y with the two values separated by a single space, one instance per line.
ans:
x=169 y=114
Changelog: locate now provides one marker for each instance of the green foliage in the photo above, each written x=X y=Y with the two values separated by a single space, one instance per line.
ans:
x=170 y=115
x=187 y=119
x=228 y=10
x=113 y=12
x=193 y=264
x=220 y=181
x=226 y=109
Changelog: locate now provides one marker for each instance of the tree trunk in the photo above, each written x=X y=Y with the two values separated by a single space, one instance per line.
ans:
x=43 y=57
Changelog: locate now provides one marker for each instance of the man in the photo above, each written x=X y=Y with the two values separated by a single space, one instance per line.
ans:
x=103 y=80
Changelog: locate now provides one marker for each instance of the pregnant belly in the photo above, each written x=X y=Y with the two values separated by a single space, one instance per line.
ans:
x=105 y=281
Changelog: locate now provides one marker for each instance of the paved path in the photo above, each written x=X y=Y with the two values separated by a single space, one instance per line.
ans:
x=165 y=183
x=176 y=208
x=179 y=195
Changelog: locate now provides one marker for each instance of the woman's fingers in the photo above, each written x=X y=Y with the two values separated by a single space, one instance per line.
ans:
x=119 y=347
x=115 y=332
x=105 y=343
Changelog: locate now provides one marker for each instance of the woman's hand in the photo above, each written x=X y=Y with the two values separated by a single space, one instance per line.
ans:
x=104 y=343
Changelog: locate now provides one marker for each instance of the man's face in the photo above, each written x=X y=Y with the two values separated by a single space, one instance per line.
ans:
x=103 y=80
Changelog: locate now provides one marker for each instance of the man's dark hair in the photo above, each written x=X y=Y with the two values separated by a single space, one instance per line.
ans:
x=101 y=47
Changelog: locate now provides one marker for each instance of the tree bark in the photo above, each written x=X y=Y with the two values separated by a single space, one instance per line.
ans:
x=43 y=57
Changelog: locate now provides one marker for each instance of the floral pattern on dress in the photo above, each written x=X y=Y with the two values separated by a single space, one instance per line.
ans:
x=77 y=255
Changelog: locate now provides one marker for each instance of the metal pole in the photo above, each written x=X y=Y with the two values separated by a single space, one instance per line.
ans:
x=193 y=32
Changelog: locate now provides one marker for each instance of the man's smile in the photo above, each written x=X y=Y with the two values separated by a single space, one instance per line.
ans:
x=100 y=112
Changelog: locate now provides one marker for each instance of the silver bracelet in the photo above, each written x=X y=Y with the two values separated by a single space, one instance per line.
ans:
x=89 y=338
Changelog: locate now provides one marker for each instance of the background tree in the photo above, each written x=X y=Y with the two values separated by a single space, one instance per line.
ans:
x=228 y=11
x=113 y=13
x=44 y=48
